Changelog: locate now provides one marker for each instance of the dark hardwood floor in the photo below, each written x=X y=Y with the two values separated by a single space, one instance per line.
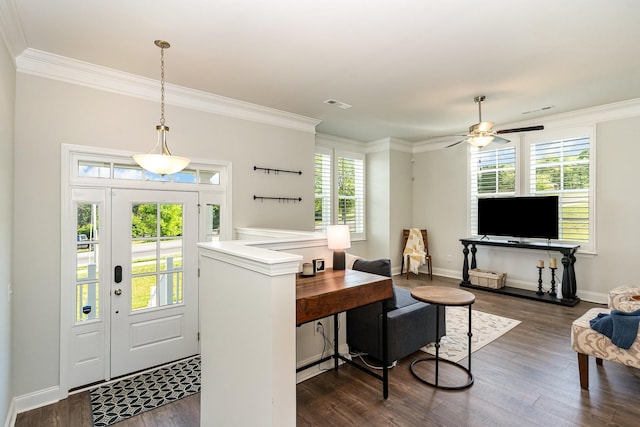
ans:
x=528 y=377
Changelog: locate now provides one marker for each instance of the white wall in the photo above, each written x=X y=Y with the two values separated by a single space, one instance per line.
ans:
x=389 y=198
x=401 y=203
x=440 y=205
x=378 y=198
x=7 y=98
x=49 y=113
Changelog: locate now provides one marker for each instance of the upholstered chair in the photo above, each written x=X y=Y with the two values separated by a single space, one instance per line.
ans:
x=411 y=324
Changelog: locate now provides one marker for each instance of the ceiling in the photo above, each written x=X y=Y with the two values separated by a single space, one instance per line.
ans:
x=409 y=68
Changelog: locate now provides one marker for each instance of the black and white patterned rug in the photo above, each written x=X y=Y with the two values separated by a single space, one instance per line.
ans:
x=131 y=396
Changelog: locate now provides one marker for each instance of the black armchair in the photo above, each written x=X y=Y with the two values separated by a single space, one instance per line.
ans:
x=411 y=324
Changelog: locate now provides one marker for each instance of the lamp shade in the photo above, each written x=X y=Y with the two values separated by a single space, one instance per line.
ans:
x=338 y=237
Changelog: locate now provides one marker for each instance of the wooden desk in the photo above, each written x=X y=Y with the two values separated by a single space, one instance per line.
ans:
x=334 y=291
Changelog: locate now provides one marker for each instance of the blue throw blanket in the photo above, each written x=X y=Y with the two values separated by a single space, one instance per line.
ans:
x=620 y=326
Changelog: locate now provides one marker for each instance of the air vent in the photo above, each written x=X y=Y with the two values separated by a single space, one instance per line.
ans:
x=338 y=104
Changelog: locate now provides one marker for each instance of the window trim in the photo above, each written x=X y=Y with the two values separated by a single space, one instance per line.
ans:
x=355 y=235
x=335 y=153
x=523 y=143
x=326 y=219
x=570 y=133
x=473 y=172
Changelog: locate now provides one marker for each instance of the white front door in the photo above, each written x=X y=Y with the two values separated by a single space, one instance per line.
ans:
x=154 y=284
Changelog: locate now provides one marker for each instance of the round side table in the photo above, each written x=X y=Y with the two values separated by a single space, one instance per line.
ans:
x=441 y=297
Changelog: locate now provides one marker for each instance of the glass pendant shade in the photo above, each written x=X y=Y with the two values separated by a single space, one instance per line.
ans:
x=480 y=141
x=164 y=163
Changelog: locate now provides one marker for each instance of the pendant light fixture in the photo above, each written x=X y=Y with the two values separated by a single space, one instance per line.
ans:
x=164 y=163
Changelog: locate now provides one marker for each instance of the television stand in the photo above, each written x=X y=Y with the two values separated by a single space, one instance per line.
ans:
x=568 y=251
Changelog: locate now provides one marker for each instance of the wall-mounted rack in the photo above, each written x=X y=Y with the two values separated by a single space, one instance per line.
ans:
x=276 y=171
x=279 y=199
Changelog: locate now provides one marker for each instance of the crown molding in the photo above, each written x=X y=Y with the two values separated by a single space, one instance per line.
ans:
x=390 y=144
x=55 y=67
x=332 y=141
x=585 y=117
x=11 y=29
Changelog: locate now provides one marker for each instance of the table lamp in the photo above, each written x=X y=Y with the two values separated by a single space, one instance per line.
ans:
x=338 y=239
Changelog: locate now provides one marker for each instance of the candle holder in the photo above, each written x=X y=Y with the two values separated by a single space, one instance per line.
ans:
x=540 y=291
x=552 y=291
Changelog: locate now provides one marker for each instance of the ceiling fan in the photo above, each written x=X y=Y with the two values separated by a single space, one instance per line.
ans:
x=481 y=134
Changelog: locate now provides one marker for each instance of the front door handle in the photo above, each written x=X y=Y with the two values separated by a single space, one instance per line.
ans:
x=118 y=292
x=117 y=274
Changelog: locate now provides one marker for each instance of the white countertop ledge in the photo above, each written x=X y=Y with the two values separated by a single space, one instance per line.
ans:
x=243 y=254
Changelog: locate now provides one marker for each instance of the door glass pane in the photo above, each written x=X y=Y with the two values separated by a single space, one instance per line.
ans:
x=171 y=220
x=213 y=222
x=127 y=172
x=88 y=169
x=87 y=266
x=210 y=177
x=186 y=176
x=144 y=221
x=143 y=292
x=143 y=257
x=171 y=254
x=156 y=255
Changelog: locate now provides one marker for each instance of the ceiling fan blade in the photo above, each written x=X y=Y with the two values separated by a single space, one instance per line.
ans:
x=523 y=129
x=500 y=140
x=455 y=143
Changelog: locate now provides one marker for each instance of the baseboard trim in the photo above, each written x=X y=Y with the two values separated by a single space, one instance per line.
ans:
x=37 y=399
x=318 y=369
x=11 y=415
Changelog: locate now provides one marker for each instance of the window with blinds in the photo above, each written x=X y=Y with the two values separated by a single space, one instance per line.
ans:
x=562 y=168
x=492 y=173
x=322 y=191
x=350 y=175
x=339 y=190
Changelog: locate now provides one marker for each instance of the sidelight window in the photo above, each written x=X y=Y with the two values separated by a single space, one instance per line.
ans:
x=88 y=246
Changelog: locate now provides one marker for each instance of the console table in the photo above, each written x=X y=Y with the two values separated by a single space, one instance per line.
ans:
x=568 y=251
x=334 y=291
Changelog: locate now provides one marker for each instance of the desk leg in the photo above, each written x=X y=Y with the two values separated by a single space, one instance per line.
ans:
x=385 y=351
x=335 y=342
x=470 y=334
x=438 y=308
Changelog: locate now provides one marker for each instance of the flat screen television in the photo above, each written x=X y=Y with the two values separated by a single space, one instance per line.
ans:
x=528 y=217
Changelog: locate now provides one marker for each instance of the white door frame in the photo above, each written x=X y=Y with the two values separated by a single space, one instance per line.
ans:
x=71 y=158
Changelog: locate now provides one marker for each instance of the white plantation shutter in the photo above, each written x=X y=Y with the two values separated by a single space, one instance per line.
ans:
x=492 y=174
x=322 y=189
x=350 y=195
x=562 y=168
x=339 y=190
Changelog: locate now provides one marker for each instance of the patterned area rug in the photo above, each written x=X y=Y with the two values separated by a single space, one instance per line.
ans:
x=131 y=396
x=485 y=327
